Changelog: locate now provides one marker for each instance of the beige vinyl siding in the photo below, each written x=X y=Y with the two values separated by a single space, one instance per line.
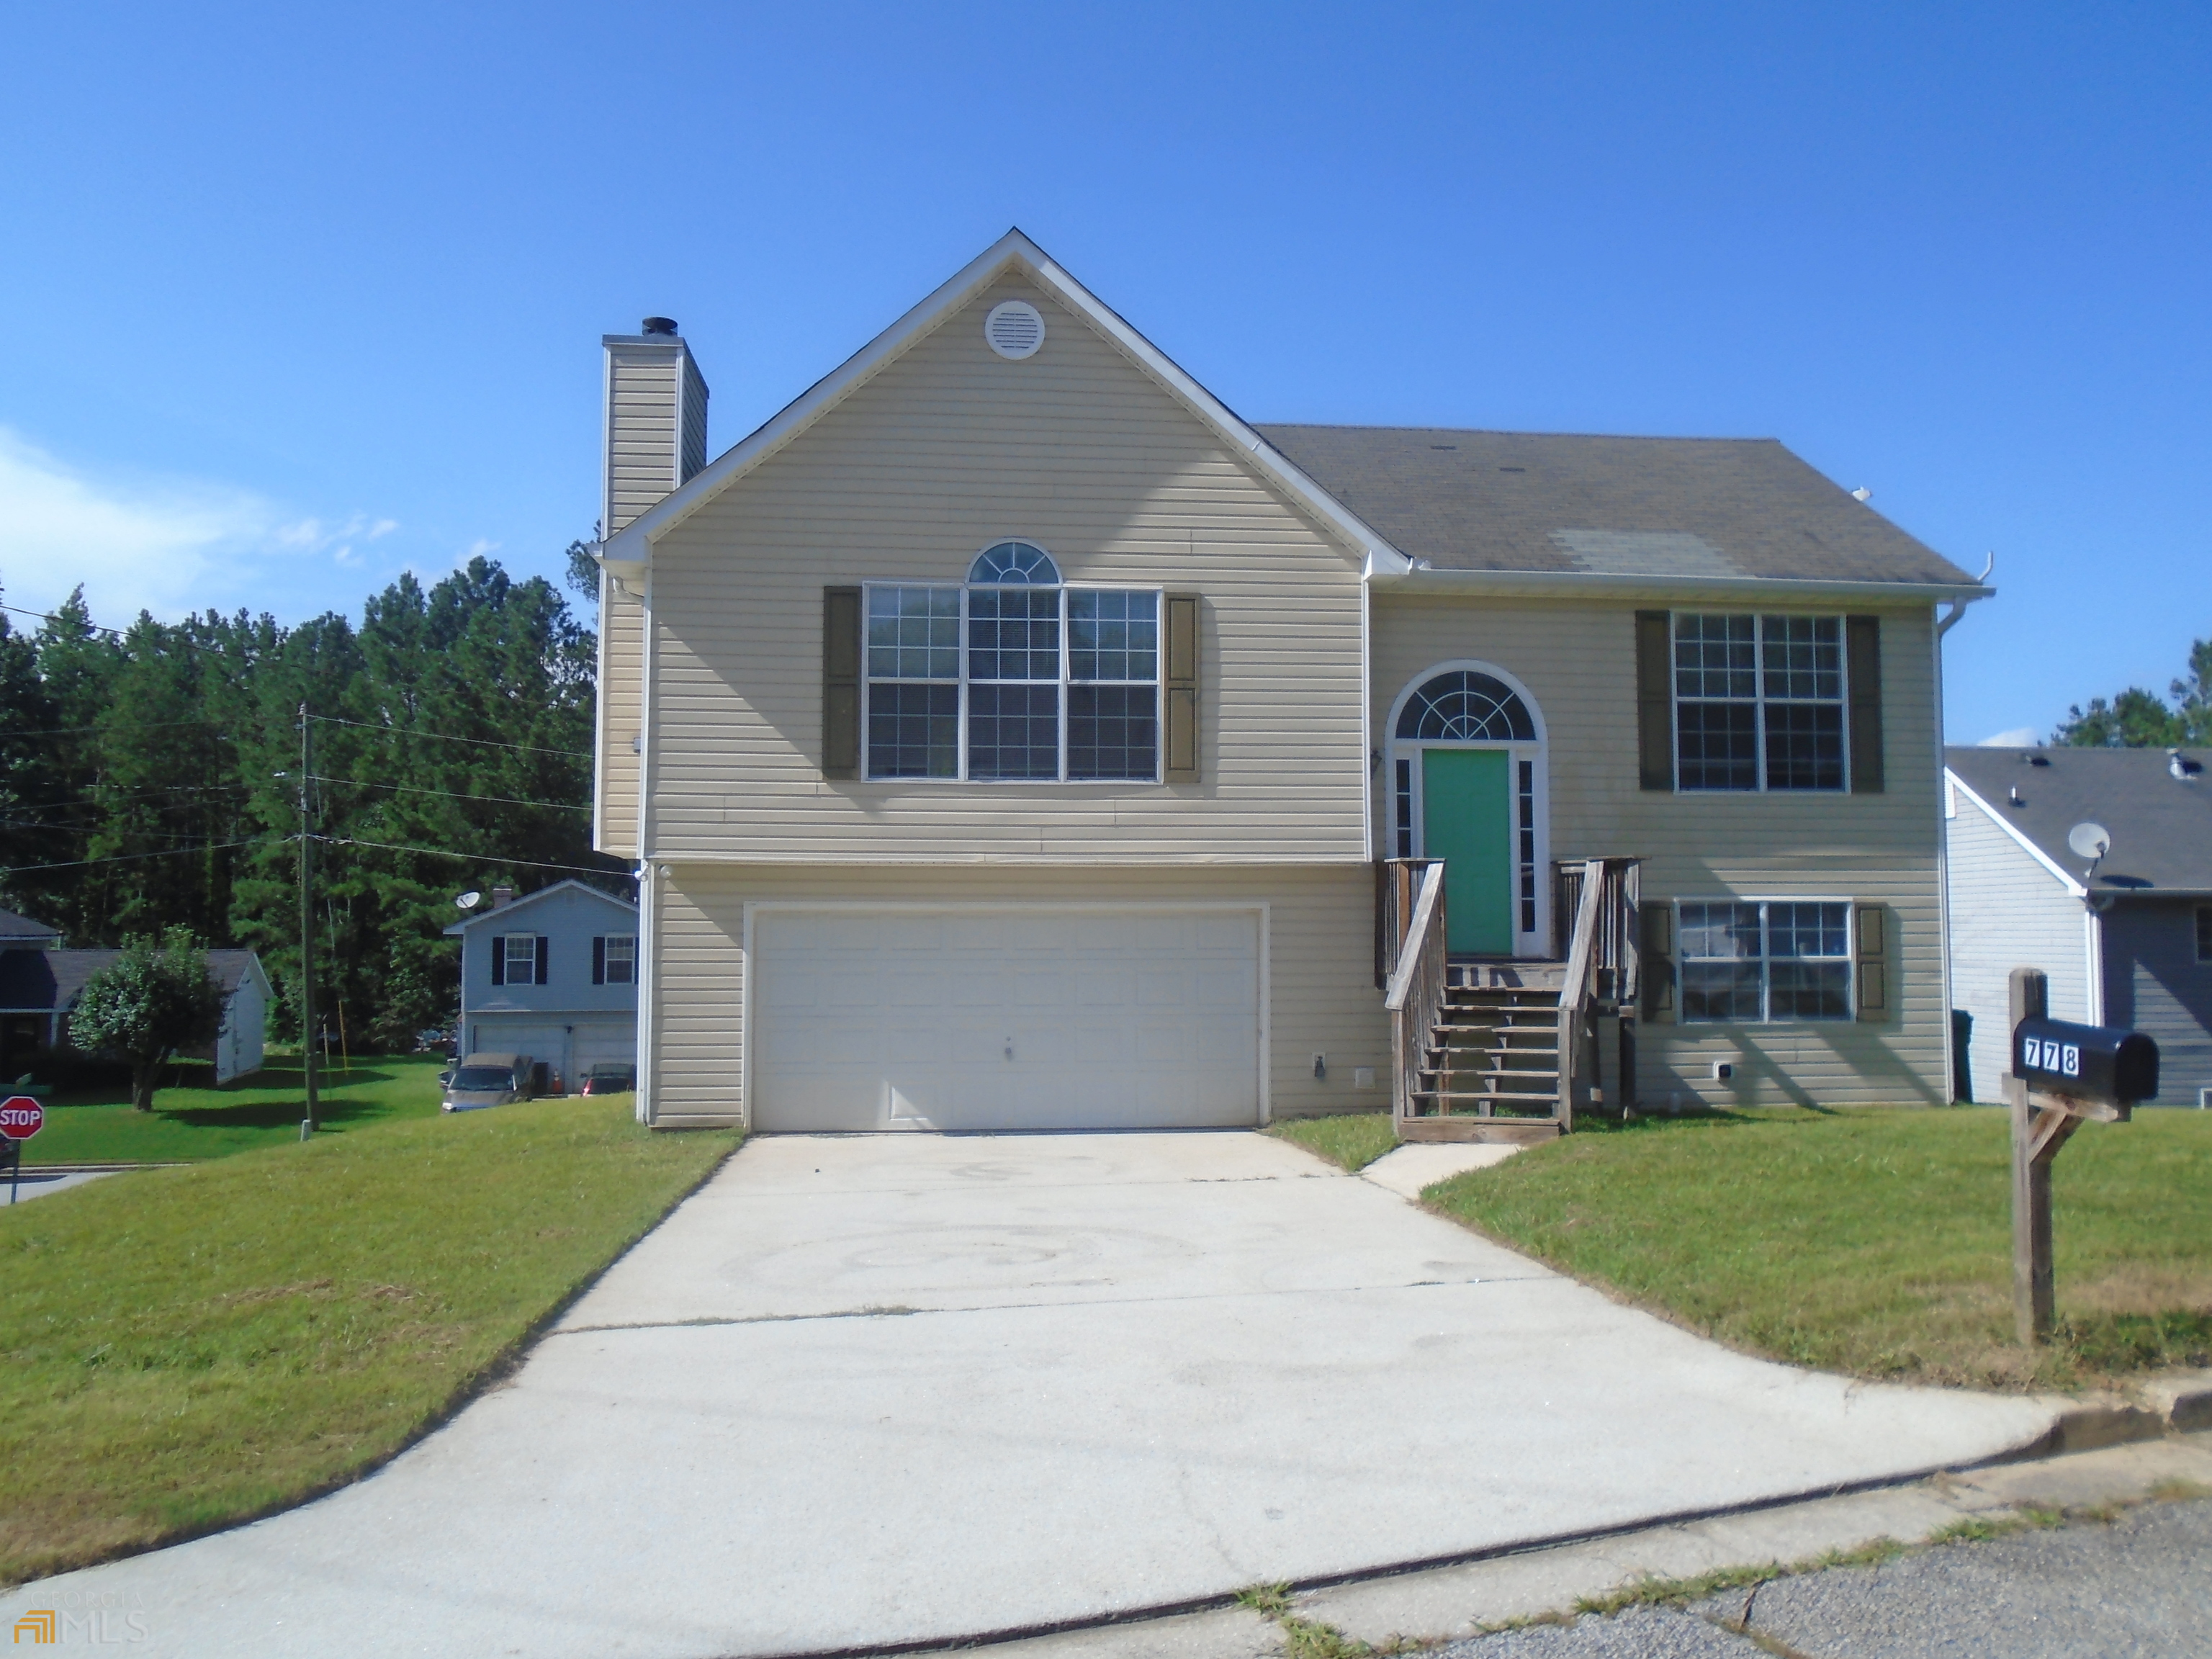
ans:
x=946 y=450
x=693 y=449
x=1578 y=660
x=622 y=640
x=1322 y=991
x=641 y=404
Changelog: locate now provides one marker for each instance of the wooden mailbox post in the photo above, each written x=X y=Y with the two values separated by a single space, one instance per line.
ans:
x=2060 y=1077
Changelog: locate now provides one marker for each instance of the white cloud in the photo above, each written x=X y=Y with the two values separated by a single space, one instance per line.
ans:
x=478 y=548
x=150 y=545
x=2020 y=737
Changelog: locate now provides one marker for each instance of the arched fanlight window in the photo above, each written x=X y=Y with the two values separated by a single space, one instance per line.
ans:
x=1014 y=564
x=1464 y=706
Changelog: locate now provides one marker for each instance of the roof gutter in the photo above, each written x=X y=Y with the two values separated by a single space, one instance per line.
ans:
x=1544 y=583
x=1949 y=619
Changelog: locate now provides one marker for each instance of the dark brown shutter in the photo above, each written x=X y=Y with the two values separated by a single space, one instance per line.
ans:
x=498 y=960
x=1658 y=964
x=1862 y=664
x=841 y=682
x=545 y=957
x=1873 y=969
x=1655 y=700
x=1180 y=726
x=599 y=960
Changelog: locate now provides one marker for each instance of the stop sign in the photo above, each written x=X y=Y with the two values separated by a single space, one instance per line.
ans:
x=21 y=1117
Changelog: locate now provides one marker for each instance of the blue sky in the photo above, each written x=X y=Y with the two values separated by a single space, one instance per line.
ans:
x=298 y=297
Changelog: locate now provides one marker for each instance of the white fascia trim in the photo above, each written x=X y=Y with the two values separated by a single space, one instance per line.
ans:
x=1002 y=861
x=2026 y=846
x=1013 y=249
x=1506 y=583
x=507 y=911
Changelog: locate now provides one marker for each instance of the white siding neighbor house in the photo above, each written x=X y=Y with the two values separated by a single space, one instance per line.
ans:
x=1010 y=736
x=2126 y=939
x=552 y=975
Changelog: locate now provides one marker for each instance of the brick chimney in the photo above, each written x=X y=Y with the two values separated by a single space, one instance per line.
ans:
x=501 y=897
x=656 y=419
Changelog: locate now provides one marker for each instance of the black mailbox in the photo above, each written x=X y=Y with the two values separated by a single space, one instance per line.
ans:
x=2092 y=1062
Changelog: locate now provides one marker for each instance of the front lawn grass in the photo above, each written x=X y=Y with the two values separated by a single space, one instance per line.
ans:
x=262 y=1109
x=184 y=1348
x=1873 y=1243
x=1352 y=1141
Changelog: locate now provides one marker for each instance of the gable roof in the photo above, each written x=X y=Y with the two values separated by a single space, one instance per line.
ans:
x=506 y=912
x=40 y=981
x=2160 y=825
x=1569 y=503
x=630 y=547
x=22 y=929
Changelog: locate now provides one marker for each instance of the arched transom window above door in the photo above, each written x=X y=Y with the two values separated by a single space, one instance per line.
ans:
x=1464 y=706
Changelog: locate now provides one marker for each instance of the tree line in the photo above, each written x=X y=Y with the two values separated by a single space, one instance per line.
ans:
x=149 y=781
x=2138 y=719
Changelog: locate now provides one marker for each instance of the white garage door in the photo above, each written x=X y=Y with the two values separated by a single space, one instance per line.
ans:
x=603 y=1043
x=978 y=1018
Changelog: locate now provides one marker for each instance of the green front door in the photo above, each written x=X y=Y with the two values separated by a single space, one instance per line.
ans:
x=1466 y=801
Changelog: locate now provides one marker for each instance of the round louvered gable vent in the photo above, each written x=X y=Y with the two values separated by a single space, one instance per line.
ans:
x=1014 y=329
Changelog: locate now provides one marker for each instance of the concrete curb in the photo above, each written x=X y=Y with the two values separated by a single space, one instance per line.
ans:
x=31 y=1169
x=2167 y=1402
x=1546 y=1579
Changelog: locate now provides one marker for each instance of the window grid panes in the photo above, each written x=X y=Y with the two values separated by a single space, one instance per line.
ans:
x=621 y=958
x=1759 y=702
x=1018 y=679
x=1405 y=792
x=520 y=958
x=1747 y=963
x=1527 y=832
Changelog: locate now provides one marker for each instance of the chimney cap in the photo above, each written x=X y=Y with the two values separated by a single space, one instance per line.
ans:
x=658 y=325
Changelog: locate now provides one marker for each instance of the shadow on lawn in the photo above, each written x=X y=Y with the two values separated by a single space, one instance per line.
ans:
x=273 y=1114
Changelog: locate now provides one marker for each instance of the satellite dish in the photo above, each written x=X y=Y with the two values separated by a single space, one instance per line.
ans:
x=2089 y=841
x=469 y=900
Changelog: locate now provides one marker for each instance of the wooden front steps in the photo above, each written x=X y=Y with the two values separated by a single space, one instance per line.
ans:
x=1490 y=1070
x=1518 y=1131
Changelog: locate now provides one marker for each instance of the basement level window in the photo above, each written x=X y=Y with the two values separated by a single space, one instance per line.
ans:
x=1771 y=959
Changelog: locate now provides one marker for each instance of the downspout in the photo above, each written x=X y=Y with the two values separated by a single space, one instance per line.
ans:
x=648 y=892
x=1944 y=625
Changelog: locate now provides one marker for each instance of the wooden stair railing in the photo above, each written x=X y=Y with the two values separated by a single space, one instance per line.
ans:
x=1415 y=995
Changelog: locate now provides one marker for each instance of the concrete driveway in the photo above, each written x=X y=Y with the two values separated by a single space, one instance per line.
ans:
x=872 y=1390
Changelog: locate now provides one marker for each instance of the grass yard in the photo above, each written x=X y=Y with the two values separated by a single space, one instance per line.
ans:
x=1874 y=1243
x=264 y=1109
x=184 y=1348
x=1352 y=1141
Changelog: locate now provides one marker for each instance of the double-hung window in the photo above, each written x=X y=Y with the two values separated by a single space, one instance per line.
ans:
x=1763 y=960
x=1014 y=677
x=1758 y=701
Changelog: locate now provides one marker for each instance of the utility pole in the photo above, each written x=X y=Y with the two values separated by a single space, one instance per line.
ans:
x=307 y=1124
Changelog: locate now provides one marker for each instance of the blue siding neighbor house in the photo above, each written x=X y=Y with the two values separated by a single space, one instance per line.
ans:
x=552 y=976
x=2127 y=942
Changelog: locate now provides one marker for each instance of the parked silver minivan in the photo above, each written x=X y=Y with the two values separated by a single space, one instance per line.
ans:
x=482 y=1080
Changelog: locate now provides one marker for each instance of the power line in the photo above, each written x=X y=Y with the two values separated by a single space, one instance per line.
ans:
x=471 y=858
x=452 y=794
x=127 y=858
x=148 y=725
x=443 y=737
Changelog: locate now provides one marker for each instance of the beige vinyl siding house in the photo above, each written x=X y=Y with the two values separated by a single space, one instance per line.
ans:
x=837 y=660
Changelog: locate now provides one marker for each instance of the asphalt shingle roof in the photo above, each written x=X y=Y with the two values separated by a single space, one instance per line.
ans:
x=44 y=979
x=14 y=927
x=1658 y=507
x=2160 y=825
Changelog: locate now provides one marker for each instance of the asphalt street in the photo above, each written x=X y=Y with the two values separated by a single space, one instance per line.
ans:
x=2140 y=1586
